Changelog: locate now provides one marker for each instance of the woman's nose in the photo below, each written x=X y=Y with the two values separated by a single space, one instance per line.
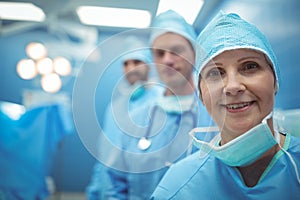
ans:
x=233 y=85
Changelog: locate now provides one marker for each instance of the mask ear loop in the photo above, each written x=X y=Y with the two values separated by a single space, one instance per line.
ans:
x=277 y=137
x=204 y=130
x=293 y=163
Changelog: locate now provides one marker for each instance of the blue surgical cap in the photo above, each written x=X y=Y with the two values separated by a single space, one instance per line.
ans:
x=170 y=21
x=143 y=55
x=135 y=49
x=228 y=32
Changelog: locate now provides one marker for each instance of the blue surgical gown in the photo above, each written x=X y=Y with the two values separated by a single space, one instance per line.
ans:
x=116 y=121
x=27 y=145
x=209 y=178
x=139 y=171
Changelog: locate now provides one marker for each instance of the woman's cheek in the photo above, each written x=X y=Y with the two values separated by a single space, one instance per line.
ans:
x=206 y=96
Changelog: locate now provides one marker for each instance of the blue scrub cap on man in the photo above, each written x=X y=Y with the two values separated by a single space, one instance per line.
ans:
x=228 y=32
x=170 y=21
x=143 y=55
x=136 y=50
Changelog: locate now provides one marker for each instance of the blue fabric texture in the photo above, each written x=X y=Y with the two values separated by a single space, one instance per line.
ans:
x=136 y=49
x=27 y=145
x=117 y=122
x=143 y=169
x=143 y=55
x=170 y=21
x=228 y=32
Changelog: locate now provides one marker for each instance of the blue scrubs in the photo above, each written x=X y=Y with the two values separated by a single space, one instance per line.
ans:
x=209 y=178
x=141 y=170
x=27 y=145
x=116 y=122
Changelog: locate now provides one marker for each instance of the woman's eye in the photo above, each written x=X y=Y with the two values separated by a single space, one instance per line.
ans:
x=214 y=73
x=250 y=66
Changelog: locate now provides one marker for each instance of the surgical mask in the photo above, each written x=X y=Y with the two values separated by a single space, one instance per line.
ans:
x=243 y=150
x=137 y=93
x=176 y=104
x=134 y=91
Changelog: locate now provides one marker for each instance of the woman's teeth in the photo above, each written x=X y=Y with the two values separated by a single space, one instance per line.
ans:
x=238 y=105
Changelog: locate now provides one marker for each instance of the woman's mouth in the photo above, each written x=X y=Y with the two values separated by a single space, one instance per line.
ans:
x=238 y=106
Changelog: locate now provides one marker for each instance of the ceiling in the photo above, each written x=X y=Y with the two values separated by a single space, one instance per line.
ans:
x=58 y=11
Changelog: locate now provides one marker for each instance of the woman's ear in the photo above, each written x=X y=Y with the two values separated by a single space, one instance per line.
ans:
x=276 y=88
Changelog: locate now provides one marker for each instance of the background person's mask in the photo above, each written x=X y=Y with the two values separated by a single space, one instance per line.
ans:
x=176 y=104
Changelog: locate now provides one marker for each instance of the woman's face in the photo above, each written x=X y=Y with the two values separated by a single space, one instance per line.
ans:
x=238 y=89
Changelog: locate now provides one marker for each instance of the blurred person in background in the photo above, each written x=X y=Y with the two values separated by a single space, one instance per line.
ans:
x=132 y=91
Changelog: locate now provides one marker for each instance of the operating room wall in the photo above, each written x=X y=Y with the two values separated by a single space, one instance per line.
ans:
x=73 y=163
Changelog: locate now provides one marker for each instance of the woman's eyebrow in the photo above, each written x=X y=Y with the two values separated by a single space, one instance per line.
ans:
x=213 y=63
x=248 y=57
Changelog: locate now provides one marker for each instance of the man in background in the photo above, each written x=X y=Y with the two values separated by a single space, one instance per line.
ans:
x=130 y=92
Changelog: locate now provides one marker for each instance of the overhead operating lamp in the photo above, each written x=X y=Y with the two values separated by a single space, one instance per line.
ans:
x=47 y=69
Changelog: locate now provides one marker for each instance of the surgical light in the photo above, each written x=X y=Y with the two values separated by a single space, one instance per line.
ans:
x=36 y=50
x=26 y=69
x=51 y=82
x=47 y=69
x=62 y=66
x=117 y=17
x=21 y=11
x=44 y=66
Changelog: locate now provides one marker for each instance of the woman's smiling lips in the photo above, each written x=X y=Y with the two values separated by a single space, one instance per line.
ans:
x=238 y=107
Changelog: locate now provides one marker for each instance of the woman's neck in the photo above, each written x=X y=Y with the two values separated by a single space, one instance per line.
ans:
x=252 y=173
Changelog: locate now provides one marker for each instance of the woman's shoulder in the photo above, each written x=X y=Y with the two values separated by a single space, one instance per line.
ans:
x=178 y=176
x=294 y=143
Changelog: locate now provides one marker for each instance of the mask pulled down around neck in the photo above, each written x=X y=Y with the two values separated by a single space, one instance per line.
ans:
x=243 y=150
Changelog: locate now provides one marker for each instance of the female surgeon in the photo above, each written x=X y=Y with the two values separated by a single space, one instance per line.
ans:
x=249 y=158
